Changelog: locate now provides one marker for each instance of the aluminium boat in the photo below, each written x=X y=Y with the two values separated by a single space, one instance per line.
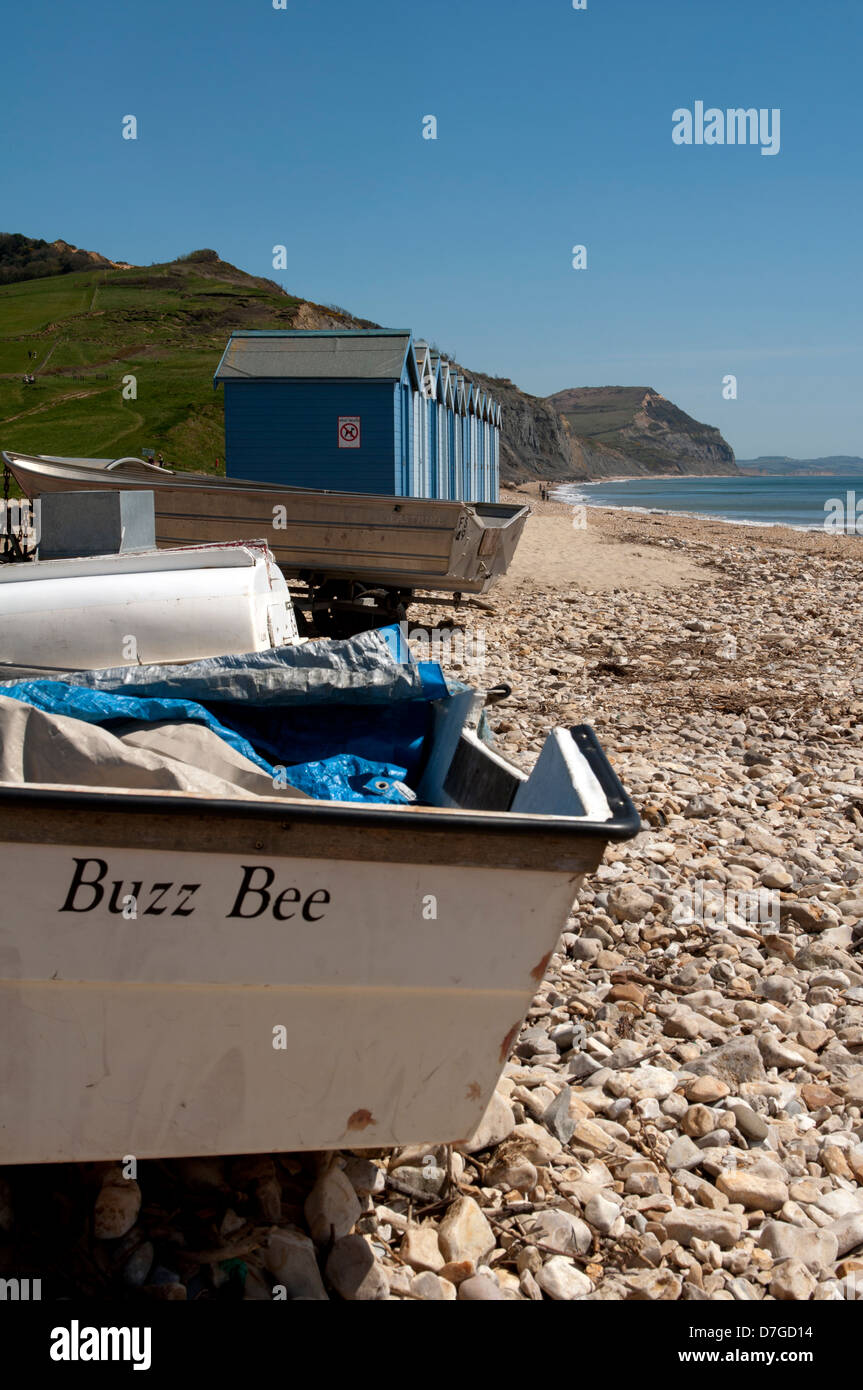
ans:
x=351 y=548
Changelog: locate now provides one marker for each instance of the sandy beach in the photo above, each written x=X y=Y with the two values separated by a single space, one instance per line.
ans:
x=630 y=549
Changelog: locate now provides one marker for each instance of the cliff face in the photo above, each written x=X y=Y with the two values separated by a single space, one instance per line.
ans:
x=600 y=432
x=534 y=439
x=650 y=433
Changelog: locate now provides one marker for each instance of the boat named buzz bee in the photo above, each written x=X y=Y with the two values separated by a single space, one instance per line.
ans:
x=343 y=960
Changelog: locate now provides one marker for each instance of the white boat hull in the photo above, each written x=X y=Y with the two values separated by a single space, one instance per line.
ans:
x=373 y=1025
x=134 y=609
x=303 y=975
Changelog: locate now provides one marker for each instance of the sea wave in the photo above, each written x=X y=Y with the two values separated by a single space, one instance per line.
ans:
x=569 y=495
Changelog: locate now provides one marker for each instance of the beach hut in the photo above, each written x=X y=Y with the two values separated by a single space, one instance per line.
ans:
x=487 y=451
x=456 y=475
x=454 y=438
x=477 y=408
x=433 y=425
x=368 y=410
x=467 y=453
x=444 y=413
x=329 y=410
x=495 y=454
x=424 y=395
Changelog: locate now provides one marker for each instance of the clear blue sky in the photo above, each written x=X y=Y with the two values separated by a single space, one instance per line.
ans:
x=304 y=127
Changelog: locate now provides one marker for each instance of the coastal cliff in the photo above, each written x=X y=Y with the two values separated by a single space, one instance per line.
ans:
x=601 y=432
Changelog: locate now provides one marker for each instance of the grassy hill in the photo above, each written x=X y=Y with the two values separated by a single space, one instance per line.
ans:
x=166 y=325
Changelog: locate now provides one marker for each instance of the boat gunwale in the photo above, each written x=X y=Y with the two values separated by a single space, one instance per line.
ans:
x=623 y=824
x=182 y=478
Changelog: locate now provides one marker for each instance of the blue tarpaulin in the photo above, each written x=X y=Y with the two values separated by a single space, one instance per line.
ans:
x=104 y=707
x=352 y=747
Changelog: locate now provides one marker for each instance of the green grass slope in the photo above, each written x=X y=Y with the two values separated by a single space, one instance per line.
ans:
x=166 y=325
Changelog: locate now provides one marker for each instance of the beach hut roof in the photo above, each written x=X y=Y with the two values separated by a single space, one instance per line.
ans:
x=378 y=354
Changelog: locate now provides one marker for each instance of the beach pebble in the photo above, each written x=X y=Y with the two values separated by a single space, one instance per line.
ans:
x=290 y=1257
x=603 y=1214
x=332 y=1207
x=814 y=1248
x=497 y=1124
x=627 y=903
x=560 y=1279
x=464 y=1233
x=117 y=1206
x=682 y=1224
x=792 y=1281
x=750 y=1123
x=480 y=1288
x=354 y=1272
x=420 y=1248
x=752 y=1190
x=433 y=1289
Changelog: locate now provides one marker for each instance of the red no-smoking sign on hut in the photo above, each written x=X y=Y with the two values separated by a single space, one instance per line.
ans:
x=349 y=431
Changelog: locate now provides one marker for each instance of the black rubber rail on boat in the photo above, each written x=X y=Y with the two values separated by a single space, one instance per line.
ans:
x=498 y=693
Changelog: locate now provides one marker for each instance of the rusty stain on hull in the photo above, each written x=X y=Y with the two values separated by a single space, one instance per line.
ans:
x=538 y=971
x=361 y=1119
x=506 y=1045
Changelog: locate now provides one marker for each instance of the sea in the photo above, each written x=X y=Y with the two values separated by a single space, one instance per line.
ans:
x=807 y=502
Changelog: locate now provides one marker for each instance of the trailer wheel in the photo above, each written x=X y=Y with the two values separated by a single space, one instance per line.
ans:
x=344 y=608
x=325 y=617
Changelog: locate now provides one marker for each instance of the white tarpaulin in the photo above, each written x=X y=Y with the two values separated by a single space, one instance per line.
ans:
x=51 y=748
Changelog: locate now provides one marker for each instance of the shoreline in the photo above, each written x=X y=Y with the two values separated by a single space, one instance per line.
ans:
x=649 y=477
x=638 y=549
x=810 y=528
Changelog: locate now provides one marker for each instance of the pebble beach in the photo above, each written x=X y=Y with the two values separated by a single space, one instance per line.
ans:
x=681 y=1117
